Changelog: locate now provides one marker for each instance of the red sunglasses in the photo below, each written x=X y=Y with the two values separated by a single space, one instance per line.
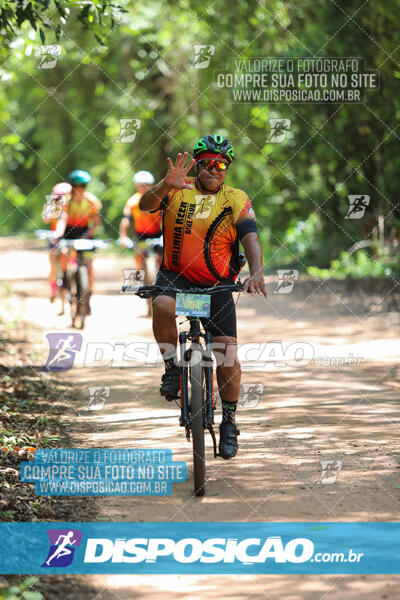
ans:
x=210 y=163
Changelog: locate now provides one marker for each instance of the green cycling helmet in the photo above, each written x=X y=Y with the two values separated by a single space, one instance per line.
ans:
x=79 y=177
x=215 y=143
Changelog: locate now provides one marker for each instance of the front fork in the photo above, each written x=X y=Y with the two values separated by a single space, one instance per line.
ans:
x=184 y=419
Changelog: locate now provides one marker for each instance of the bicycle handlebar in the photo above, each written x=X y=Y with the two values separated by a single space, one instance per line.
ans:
x=148 y=291
x=83 y=244
x=80 y=244
x=149 y=242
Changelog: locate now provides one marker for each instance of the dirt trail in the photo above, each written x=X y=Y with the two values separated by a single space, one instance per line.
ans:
x=306 y=414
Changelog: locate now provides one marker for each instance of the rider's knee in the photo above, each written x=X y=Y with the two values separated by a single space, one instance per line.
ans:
x=164 y=306
x=225 y=353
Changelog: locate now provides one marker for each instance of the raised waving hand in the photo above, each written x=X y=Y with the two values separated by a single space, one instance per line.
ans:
x=176 y=174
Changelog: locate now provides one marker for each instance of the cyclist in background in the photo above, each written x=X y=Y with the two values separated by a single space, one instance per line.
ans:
x=203 y=221
x=80 y=218
x=147 y=226
x=50 y=214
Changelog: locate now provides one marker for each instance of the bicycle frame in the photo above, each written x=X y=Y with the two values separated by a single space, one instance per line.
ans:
x=194 y=335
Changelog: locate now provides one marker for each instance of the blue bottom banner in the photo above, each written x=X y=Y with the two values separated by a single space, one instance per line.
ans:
x=200 y=548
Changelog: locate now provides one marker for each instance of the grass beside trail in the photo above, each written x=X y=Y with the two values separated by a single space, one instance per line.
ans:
x=34 y=412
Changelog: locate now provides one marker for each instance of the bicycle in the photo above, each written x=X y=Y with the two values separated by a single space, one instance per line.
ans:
x=75 y=281
x=196 y=366
x=150 y=250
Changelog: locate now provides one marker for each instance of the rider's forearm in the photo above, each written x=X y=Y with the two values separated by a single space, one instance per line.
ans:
x=61 y=225
x=253 y=251
x=124 y=227
x=152 y=198
x=95 y=225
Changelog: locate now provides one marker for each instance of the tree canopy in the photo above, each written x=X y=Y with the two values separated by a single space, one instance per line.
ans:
x=136 y=63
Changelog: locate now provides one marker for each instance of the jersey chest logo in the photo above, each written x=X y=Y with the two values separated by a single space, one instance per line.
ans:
x=204 y=205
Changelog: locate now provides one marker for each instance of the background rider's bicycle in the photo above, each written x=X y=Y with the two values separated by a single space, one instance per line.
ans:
x=148 y=255
x=196 y=368
x=74 y=283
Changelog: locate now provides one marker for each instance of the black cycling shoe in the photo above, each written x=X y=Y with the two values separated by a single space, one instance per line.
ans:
x=228 y=444
x=170 y=384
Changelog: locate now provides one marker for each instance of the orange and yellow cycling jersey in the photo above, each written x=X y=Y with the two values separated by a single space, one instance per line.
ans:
x=145 y=223
x=202 y=232
x=81 y=213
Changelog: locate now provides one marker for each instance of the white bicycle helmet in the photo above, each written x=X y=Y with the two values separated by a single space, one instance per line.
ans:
x=143 y=177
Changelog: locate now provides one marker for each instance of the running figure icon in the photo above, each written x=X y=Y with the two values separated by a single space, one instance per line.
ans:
x=63 y=346
x=63 y=350
x=62 y=549
x=357 y=206
x=286 y=281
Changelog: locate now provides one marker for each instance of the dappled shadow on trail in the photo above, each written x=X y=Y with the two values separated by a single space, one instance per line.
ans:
x=302 y=418
x=348 y=415
x=237 y=587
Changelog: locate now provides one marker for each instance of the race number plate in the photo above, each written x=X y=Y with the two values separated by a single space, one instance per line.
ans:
x=193 y=305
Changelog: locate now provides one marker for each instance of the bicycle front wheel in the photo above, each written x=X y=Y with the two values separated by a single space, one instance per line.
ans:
x=197 y=404
x=82 y=288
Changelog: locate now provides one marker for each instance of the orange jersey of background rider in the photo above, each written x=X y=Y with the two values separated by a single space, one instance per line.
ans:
x=80 y=213
x=202 y=232
x=147 y=225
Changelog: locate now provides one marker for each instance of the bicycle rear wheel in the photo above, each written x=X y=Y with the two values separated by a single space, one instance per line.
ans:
x=72 y=296
x=197 y=403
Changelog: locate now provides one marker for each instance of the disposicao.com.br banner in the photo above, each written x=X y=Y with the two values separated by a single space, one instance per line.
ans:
x=200 y=548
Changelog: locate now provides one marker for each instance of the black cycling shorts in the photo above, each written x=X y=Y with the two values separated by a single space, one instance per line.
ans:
x=222 y=320
x=73 y=232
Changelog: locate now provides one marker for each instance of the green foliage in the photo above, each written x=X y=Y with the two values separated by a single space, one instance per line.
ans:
x=51 y=16
x=358 y=265
x=68 y=116
x=20 y=591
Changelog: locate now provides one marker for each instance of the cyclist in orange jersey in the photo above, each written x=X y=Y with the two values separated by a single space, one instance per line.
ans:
x=50 y=214
x=147 y=228
x=203 y=221
x=80 y=217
